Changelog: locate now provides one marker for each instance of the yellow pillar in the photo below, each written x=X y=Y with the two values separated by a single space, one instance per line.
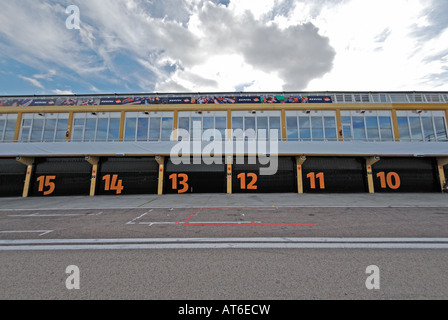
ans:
x=229 y=162
x=18 y=126
x=94 y=162
x=369 y=163
x=68 y=134
x=284 y=137
x=29 y=162
x=299 y=162
x=229 y=124
x=175 y=125
x=122 y=124
x=395 y=125
x=161 y=162
x=441 y=162
x=339 y=125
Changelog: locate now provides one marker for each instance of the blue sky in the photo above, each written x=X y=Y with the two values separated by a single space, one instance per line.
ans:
x=137 y=46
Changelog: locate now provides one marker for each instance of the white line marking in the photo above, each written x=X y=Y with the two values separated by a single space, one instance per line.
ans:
x=41 y=232
x=224 y=243
x=141 y=216
x=167 y=246
x=38 y=215
x=237 y=207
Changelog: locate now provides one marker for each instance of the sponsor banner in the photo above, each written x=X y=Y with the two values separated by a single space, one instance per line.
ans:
x=63 y=101
x=318 y=99
x=248 y=99
x=215 y=100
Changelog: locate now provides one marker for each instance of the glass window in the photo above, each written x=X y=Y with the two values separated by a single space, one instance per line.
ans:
x=292 y=132
x=184 y=123
x=61 y=130
x=372 y=128
x=275 y=124
x=440 y=128
x=142 y=128
x=101 y=134
x=305 y=134
x=36 y=131
x=347 y=128
x=209 y=123
x=262 y=128
x=359 y=132
x=330 y=128
x=77 y=134
x=221 y=122
x=2 y=128
x=416 y=129
x=49 y=130
x=154 y=129
x=237 y=123
x=167 y=128
x=114 y=129
x=403 y=128
x=130 y=129
x=428 y=129
x=317 y=128
x=386 y=129
x=89 y=134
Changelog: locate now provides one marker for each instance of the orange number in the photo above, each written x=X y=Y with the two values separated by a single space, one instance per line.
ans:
x=183 y=179
x=114 y=184
x=312 y=176
x=45 y=181
x=251 y=185
x=391 y=180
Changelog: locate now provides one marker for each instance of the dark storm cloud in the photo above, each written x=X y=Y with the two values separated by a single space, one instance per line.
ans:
x=297 y=54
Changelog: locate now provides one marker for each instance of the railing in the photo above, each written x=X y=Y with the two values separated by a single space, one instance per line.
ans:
x=226 y=98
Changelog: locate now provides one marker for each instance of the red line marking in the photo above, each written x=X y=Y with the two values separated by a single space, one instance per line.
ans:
x=185 y=223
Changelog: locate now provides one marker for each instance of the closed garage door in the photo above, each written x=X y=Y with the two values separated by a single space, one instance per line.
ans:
x=406 y=175
x=334 y=175
x=119 y=176
x=12 y=177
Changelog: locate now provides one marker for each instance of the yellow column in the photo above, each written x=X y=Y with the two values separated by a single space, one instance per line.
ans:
x=161 y=162
x=441 y=162
x=299 y=162
x=339 y=124
x=395 y=125
x=175 y=123
x=229 y=124
x=122 y=123
x=369 y=163
x=284 y=137
x=94 y=162
x=229 y=162
x=29 y=162
x=18 y=126
x=68 y=134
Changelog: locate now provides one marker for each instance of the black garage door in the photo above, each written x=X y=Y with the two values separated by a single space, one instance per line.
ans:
x=12 y=178
x=119 y=176
x=247 y=178
x=334 y=175
x=60 y=177
x=195 y=178
x=406 y=175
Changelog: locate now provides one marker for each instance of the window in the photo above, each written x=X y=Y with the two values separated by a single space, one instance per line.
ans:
x=422 y=125
x=96 y=127
x=213 y=123
x=367 y=125
x=148 y=126
x=263 y=125
x=7 y=127
x=44 y=127
x=311 y=126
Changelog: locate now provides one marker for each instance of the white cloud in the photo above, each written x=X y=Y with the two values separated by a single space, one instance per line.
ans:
x=33 y=81
x=63 y=92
